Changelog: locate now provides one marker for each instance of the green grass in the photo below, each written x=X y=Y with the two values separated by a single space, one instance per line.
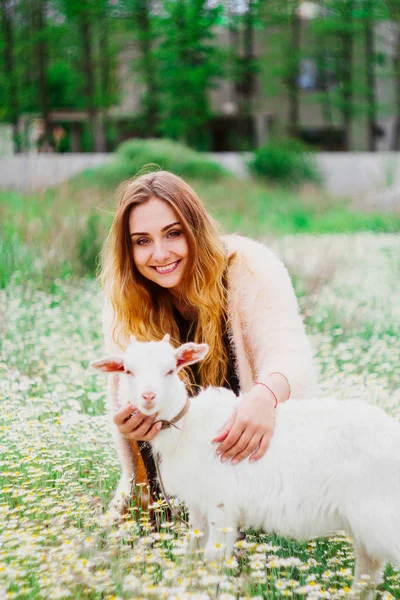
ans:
x=58 y=468
x=59 y=233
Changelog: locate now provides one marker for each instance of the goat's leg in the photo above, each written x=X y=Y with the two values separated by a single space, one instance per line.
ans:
x=367 y=565
x=197 y=521
x=123 y=492
x=126 y=457
x=222 y=532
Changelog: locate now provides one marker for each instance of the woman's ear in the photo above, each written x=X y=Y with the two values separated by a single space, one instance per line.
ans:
x=190 y=353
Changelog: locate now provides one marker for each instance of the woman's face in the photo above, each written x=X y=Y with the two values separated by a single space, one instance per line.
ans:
x=160 y=248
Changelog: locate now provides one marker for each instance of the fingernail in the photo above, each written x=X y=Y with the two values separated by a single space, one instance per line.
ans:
x=224 y=458
x=235 y=461
x=159 y=425
x=218 y=452
x=135 y=412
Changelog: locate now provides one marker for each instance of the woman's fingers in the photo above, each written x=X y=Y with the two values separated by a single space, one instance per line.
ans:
x=264 y=443
x=232 y=438
x=135 y=421
x=134 y=425
x=253 y=445
x=151 y=433
x=240 y=446
x=225 y=430
x=122 y=415
x=142 y=428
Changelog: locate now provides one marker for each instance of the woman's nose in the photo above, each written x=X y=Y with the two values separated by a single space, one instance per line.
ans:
x=161 y=253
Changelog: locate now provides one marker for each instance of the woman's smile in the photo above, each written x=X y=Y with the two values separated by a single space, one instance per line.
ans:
x=166 y=269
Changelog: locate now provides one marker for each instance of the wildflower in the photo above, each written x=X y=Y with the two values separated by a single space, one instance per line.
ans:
x=196 y=533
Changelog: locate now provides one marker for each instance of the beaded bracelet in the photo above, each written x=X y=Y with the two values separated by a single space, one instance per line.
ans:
x=268 y=388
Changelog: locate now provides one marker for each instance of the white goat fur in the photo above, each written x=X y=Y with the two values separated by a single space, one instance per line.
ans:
x=330 y=465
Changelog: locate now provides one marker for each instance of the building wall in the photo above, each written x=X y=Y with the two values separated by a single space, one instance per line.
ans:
x=270 y=98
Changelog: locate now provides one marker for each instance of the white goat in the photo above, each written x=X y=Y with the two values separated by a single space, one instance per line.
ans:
x=330 y=465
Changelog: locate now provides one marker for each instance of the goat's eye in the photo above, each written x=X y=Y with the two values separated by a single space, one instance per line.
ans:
x=171 y=372
x=127 y=372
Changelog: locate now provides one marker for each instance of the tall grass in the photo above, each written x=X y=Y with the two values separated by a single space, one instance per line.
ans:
x=59 y=233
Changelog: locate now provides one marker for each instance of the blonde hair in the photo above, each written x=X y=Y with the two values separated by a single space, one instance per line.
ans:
x=143 y=308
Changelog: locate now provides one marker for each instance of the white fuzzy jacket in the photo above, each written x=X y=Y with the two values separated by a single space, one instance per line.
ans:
x=266 y=329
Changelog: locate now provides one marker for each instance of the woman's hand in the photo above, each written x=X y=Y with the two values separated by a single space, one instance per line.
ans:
x=249 y=430
x=133 y=425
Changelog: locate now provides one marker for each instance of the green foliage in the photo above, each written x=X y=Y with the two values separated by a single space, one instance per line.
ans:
x=171 y=156
x=135 y=155
x=286 y=161
x=89 y=243
x=189 y=61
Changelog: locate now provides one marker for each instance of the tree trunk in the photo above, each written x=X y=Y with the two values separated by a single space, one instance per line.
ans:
x=248 y=46
x=95 y=122
x=347 y=76
x=105 y=79
x=370 y=76
x=395 y=144
x=293 y=91
x=148 y=63
x=326 y=102
x=46 y=143
x=6 y=20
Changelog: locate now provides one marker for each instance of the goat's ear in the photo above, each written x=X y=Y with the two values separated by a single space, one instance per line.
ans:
x=109 y=364
x=190 y=353
x=166 y=338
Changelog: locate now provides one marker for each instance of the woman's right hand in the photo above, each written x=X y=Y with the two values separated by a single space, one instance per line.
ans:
x=133 y=425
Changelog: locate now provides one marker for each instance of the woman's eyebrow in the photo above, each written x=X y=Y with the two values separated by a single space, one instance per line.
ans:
x=163 y=229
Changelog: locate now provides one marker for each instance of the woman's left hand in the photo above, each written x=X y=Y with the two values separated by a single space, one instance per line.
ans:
x=249 y=430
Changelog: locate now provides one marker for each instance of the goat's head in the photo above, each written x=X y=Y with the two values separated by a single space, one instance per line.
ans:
x=150 y=371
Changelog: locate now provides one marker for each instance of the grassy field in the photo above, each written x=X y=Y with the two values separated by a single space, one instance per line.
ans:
x=58 y=465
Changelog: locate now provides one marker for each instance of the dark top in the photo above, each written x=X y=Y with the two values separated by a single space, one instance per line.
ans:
x=186 y=334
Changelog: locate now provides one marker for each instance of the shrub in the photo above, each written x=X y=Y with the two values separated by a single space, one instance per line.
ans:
x=89 y=244
x=170 y=156
x=107 y=176
x=286 y=161
x=134 y=155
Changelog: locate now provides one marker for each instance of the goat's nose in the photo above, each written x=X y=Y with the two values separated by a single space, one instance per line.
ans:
x=148 y=396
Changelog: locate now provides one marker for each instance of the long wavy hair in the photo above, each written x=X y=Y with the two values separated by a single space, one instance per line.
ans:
x=143 y=308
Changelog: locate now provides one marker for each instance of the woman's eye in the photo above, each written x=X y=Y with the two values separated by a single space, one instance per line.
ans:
x=142 y=242
x=174 y=233
x=171 y=372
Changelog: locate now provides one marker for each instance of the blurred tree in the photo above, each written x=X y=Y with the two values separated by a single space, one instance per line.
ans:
x=90 y=19
x=189 y=62
x=370 y=59
x=293 y=63
x=338 y=29
x=11 y=105
x=393 y=7
x=242 y=20
x=282 y=25
x=146 y=31
x=344 y=28
x=39 y=9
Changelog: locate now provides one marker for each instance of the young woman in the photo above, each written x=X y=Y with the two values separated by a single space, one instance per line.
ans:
x=167 y=270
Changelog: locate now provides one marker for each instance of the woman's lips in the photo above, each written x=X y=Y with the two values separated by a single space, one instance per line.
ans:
x=167 y=268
